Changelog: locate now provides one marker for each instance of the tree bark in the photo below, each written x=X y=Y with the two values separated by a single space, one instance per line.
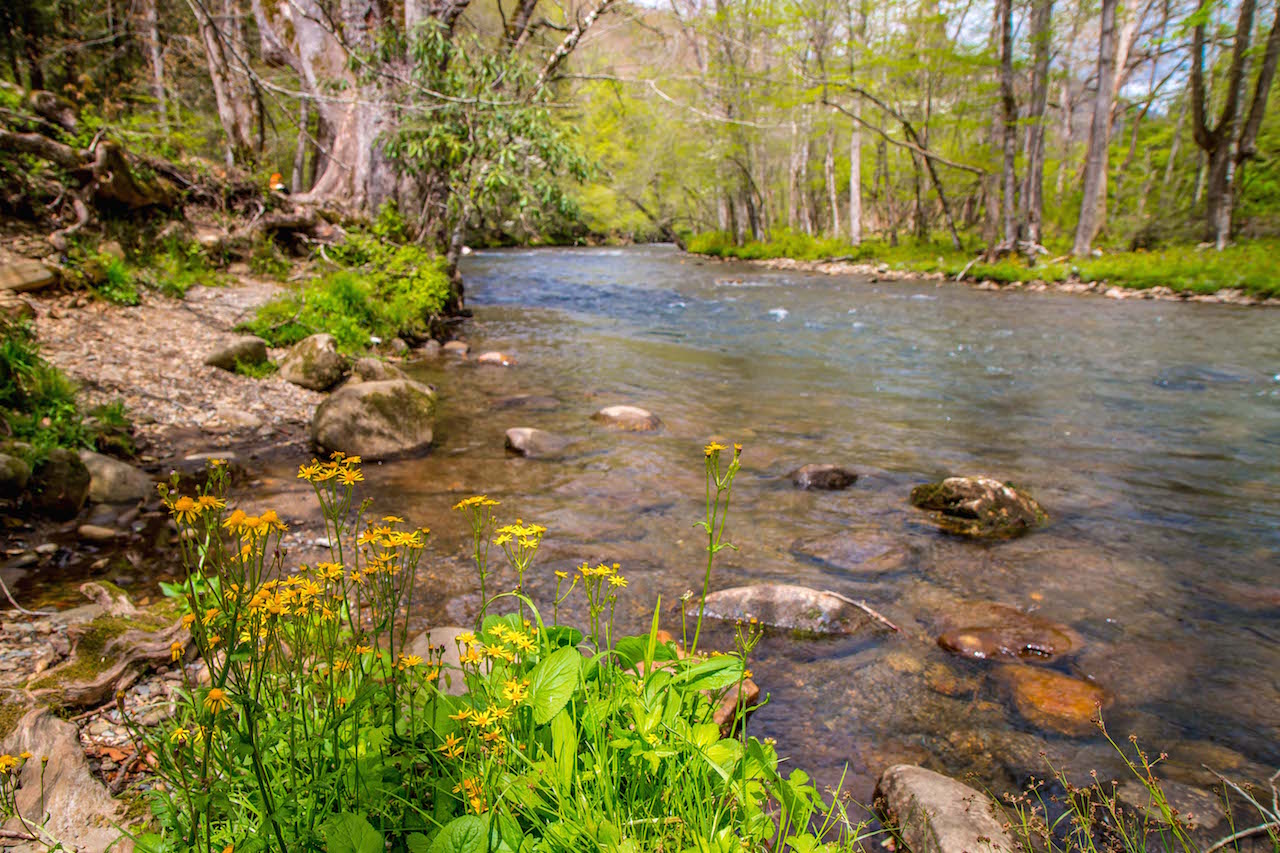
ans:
x=1033 y=185
x=223 y=51
x=1093 y=202
x=1009 y=127
x=833 y=192
x=155 y=53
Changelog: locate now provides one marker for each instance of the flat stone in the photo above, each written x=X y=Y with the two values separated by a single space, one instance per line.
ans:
x=96 y=533
x=1051 y=700
x=1198 y=808
x=998 y=631
x=429 y=349
x=530 y=402
x=788 y=606
x=933 y=813
x=852 y=551
x=457 y=347
x=534 y=443
x=825 y=477
x=247 y=349
x=629 y=418
x=23 y=274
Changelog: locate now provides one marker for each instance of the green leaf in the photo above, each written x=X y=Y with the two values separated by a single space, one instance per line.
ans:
x=564 y=748
x=417 y=843
x=552 y=682
x=464 y=834
x=351 y=833
x=714 y=674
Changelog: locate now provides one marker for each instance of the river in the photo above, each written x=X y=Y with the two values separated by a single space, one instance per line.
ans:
x=1149 y=430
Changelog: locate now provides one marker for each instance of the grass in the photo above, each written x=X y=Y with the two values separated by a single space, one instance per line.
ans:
x=1248 y=265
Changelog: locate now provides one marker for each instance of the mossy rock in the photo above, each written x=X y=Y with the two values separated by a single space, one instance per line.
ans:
x=376 y=420
x=979 y=507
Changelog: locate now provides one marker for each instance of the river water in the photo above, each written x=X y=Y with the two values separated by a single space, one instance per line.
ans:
x=1150 y=431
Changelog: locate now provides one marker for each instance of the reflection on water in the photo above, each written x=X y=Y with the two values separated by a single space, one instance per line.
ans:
x=1149 y=430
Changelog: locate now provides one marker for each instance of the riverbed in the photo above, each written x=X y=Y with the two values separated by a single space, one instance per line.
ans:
x=1149 y=431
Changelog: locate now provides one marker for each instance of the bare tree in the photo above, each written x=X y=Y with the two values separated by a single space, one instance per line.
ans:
x=1093 y=203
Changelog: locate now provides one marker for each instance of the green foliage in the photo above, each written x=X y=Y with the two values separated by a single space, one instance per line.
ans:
x=116 y=284
x=384 y=290
x=266 y=259
x=178 y=267
x=38 y=402
x=256 y=370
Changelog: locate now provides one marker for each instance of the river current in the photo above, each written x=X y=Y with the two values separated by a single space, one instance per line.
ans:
x=1150 y=432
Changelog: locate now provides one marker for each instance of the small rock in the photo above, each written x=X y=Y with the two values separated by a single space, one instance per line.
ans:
x=979 y=507
x=854 y=551
x=787 y=606
x=743 y=696
x=314 y=363
x=933 y=813
x=398 y=347
x=112 y=249
x=534 y=443
x=457 y=348
x=46 y=548
x=370 y=369
x=15 y=309
x=115 y=482
x=999 y=631
x=629 y=418
x=1193 y=806
x=1054 y=701
x=96 y=533
x=14 y=474
x=828 y=477
x=451 y=680
x=497 y=359
x=60 y=484
x=246 y=349
x=531 y=402
x=23 y=274
x=430 y=349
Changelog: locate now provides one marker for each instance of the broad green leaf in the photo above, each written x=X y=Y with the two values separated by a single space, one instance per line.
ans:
x=564 y=749
x=464 y=834
x=714 y=674
x=351 y=833
x=552 y=682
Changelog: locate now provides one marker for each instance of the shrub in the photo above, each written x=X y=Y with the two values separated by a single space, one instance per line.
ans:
x=321 y=726
x=178 y=267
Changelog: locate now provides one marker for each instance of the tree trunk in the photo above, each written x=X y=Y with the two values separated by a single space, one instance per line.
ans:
x=236 y=109
x=155 y=53
x=1033 y=186
x=1009 y=127
x=296 y=179
x=1093 y=203
x=855 y=183
x=833 y=192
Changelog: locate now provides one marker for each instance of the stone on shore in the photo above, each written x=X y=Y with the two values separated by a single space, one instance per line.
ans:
x=247 y=349
x=96 y=533
x=796 y=608
x=370 y=369
x=1051 y=700
x=314 y=363
x=979 y=507
x=376 y=420
x=534 y=443
x=824 y=477
x=114 y=482
x=629 y=418
x=23 y=274
x=14 y=474
x=59 y=484
x=933 y=813
x=15 y=309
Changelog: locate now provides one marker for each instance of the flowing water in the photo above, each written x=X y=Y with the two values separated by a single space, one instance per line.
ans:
x=1150 y=431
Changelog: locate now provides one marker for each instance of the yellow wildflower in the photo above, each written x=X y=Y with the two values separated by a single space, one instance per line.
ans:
x=409 y=661
x=176 y=648
x=713 y=448
x=210 y=502
x=309 y=472
x=515 y=691
x=188 y=620
x=185 y=510
x=7 y=763
x=466 y=638
x=217 y=700
x=618 y=580
x=341 y=666
x=461 y=715
x=350 y=476
x=363 y=650
x=179 y=735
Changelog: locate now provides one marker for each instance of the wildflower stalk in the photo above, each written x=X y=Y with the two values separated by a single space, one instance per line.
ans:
x=719 y=488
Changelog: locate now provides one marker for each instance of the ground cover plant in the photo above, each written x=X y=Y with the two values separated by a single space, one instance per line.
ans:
x=321 y=726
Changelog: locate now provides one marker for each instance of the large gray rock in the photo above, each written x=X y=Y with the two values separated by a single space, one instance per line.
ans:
x=82 y=814
x=314 y=363
x=979 y=507
x=629 y=418
x=14 y=474
x=933 y=813
x=59 y=484
x=114 y=482
x=376 y=420
x=23 y=274
x=788 y=606
x=246 y=349
x=534 y=443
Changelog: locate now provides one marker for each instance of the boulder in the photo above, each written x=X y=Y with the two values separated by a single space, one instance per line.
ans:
x=314 y=363
x=1051 y=700
x=376 y=420
x=999 y=631
x=14 y=474
x=114 y=482
x=629 y=418
x=827 y=477
x=59 y=485
x=788 y=606
x=865 y=553
x=933 y=813
x=497 y=359
x=23 y=274
x=370 y=369
x=82 y=814
x=534 y=443
x=246 y=349
x=451 y=681
x=979 y=507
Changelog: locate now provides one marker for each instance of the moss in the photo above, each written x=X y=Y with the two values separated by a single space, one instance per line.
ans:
x=11 y=711
x=90 y=652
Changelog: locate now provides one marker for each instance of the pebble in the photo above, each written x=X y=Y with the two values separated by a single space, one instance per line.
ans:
x=46 y=548
x=95 y=533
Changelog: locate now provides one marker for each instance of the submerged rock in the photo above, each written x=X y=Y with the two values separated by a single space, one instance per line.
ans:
x=1198 y=808
x=457 y=347
x=497 y=359
x=376 y=420
x=531 y=402
x=933 y=813
x=826 y=477
x=246 y=349
x=629 y=418
x=314 y=363
x=989 y=630
x=796 y=608
x=1051 y=700
x=980 y=507
x=861 y=552
x=59 y=484
x=534 y=443
x=114 y=482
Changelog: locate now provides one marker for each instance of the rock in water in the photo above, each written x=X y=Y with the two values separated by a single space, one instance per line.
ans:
x=60 y=484
x=1054 y=701
x=866 y=553
x=787 y=606
x=497 y=359
x=457 y=348
x=979 y=507
x=24 y=274
x=247 y=349
x=114 y=482
x=933 y=813
x=629 y=418
x=827 y=477
x=314 y=363
x=376 y=420
x=14 y=474
x=534 y=443
x=999 y=631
